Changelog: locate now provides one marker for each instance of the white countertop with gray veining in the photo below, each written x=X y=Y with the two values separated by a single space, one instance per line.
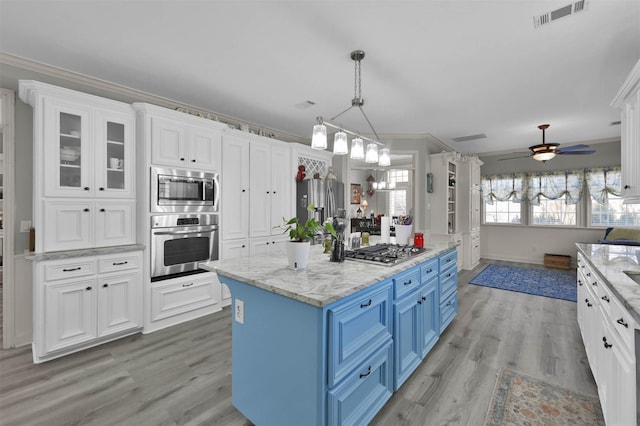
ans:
x=322 y=282
x=610 y=261
x=96 y=251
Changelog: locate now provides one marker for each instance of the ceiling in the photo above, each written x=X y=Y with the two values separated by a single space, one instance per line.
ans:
x=445 y=68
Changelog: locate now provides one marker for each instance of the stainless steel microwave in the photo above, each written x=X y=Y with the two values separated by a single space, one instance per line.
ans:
x=183 y=191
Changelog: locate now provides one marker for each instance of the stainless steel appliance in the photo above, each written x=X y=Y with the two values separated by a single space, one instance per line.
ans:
x=179 y=242
x=326 y=196
x=178 y=191
x=384 y=254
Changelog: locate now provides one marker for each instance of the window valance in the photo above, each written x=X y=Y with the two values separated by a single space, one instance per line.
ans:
x=503 y=187
x=554 y=185
x=604 y=181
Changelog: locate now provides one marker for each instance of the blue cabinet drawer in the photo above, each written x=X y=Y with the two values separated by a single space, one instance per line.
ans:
x=429 y=270
x=406 y=282
x=448 y=282
x=448 y=311
x=363 y=393
x=357 y=327
x=448 y=259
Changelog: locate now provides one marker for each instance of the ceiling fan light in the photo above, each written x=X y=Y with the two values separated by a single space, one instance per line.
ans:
x=319 y=138
x=544 y=155
x=384 y=159
x=372 y=153
x=357 y=149
x=340 y=146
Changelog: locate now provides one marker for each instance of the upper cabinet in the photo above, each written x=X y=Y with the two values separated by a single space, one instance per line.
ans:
x=628 y=99
x=84 y=158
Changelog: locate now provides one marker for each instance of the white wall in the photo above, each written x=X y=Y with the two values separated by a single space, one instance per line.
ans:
x=529 y=243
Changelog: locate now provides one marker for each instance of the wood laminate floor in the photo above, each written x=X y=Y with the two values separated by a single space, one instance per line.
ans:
x=182 y=375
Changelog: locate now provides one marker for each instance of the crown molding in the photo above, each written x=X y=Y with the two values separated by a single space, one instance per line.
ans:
x=141 y=96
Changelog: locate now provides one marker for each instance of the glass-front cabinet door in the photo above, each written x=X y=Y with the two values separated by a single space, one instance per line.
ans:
x=114 y=154
x=67 y=157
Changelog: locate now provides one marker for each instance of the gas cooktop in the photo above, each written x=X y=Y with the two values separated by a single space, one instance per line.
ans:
x=384 y=254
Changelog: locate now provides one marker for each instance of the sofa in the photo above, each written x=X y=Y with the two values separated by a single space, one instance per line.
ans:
x=621 y=236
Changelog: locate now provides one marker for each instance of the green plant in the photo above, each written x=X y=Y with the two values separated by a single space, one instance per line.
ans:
x=299 y=231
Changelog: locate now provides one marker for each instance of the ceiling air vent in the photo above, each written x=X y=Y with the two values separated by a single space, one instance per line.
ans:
x=470 y=137
x=615 y=123
x=554 y=15
x=305 y=104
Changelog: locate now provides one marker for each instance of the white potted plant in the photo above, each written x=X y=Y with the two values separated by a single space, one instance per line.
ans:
x=300 y=236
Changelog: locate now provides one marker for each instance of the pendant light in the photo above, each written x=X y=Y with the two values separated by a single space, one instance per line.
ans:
x=372 y=153
x=385 y=158
x=357 y=149
x=319 y=138
x=340 y=146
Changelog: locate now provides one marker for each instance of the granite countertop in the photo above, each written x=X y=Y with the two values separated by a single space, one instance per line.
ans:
x=610 y=262
x=322 y=282
x=97 y=251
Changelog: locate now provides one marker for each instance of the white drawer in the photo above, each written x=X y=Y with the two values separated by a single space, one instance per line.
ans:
x=63 y=269
x=622 y=322
x=171 y=297
x=120 y=262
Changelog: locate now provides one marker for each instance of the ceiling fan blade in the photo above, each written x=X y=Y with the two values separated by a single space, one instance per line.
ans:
x=513 y=158
x=572 y=148
x=577 y=152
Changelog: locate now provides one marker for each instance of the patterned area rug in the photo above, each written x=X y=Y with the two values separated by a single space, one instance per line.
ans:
x=541 y=282
x=519 y=399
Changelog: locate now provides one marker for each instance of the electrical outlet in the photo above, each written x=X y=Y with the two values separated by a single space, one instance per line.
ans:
x=239 y=309
x=25 y=225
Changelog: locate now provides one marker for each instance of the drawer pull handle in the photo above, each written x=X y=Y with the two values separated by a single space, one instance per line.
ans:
x=580 y=282
x=429 y=271
x=605 y=298
x=627 y=187
x=86 y=188
x=588 y=274
x=419 y=301
x=588 y=304
x=120 y=263
x=448 y=275
x=364 y=305
x=621 y=322
x=88 y=288
x=86 y=210
x=407 y=282
x=450 y=303
x=187 y=285
x=606 y=345
x=72 y=269
x=595 y=283
x=449 y=260
x=181 y=158
x=366 y=374
x=424 y=297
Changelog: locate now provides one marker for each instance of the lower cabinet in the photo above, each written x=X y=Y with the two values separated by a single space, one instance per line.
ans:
x=85 y=301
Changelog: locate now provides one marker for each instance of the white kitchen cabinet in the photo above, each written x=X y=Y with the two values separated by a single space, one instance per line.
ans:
x=70 y=224
x=84 y=154
x=468 y=209
x=257 y=185
x=85 y=301
x=176 y=142
x=628 y=99
x=272 y=244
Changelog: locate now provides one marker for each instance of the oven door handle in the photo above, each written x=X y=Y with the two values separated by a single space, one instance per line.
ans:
x=185 y=232
x=216 y=184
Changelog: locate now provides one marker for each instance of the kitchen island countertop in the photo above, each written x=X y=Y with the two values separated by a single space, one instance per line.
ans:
x=322 y=282
x=610 y=262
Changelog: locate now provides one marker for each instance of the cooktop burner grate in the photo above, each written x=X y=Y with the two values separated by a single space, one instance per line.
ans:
x=384 y=254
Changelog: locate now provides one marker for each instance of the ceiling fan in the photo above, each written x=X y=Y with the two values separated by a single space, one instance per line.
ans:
x=546 y=151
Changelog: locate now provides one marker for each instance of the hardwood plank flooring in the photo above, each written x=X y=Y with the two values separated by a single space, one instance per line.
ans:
x=182 y=375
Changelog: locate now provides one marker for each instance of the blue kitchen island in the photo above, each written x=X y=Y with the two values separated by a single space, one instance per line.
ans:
x=330 y=344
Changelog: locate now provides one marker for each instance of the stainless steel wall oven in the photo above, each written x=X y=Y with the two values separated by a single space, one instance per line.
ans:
x=178 y=191
x=179 y=242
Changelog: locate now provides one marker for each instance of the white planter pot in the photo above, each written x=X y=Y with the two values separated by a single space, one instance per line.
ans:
x=298 y=254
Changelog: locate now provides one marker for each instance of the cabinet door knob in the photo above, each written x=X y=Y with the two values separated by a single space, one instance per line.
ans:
x=419 y=302
x=621 y=322
x=181 y=159
x=193 y=161
x=243 y=246
x=244 y=190
x=627 y=187
x=102 y=210
x=86 y=210
x=424 y=297
x=88 y=288
x=105 y=285
x=86 y=188
x=274 y=192
x=267 y=192
x=101 y=188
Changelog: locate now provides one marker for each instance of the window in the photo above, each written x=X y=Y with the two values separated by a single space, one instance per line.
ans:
x=503 y=212
x=614 y=213
x=398 y=179
x=554 y=212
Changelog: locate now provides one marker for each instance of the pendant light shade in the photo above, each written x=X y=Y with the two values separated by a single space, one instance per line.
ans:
x=385 y=158
x=319 y=138
x=340 y=146
x=357 y=149
x=372 y=153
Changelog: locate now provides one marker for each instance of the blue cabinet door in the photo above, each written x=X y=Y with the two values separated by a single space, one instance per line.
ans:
x=429 y=317
x=406 y=336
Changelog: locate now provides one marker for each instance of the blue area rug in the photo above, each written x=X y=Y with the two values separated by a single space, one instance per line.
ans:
x=553 y=283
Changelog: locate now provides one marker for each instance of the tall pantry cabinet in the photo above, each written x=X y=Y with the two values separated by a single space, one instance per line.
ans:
x=86 y=267
x=469 y=208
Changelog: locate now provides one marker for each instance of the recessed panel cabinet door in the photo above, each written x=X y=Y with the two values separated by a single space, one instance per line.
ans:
x=261 y=190
x=235 y=188
x=114 y=154
x=70 y=316
x=67 y=226
x=115 y=224
x=168 y=142
x=203 y=150
x=119 y=303
x=282 y=184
